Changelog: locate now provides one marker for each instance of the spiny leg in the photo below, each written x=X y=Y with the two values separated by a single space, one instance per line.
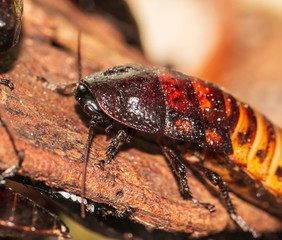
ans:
x=122 y=136
x=7 y=83
x=180 y=172
x=216 y=180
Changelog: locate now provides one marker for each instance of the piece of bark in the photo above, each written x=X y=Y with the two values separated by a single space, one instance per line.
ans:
x=52 y=130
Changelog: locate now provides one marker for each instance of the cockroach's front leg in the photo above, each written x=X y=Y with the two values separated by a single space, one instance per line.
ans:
x=122 y=136
x=7 y=83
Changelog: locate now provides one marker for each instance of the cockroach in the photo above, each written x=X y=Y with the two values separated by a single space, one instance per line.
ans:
x=175 y=108
x=10 y=23
x=22 y=217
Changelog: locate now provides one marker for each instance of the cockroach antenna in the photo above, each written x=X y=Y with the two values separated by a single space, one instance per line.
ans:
x=79 y=55
x=90 y=134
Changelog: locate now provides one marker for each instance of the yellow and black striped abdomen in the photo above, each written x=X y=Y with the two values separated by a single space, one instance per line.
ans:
x=257 y=148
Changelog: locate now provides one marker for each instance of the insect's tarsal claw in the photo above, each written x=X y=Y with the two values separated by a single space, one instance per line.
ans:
x=11 y=86
x=101 y=164
x=210 y=207
x=7 y=83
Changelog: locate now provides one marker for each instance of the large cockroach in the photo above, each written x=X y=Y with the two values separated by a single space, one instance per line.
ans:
x=22 y=217
x=10 y=23
x=175 y=108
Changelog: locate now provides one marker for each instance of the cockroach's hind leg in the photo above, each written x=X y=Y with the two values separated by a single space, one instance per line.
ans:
x=216 y=180
x=180 y=173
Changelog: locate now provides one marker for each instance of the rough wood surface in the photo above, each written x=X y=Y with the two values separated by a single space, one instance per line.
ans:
x=52 y=130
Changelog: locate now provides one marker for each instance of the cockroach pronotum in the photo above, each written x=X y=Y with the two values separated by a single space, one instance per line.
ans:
x=22 y=217
x=175 y=108
x=10 y=23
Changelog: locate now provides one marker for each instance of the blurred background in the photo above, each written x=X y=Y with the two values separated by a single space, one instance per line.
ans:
x=236 y=44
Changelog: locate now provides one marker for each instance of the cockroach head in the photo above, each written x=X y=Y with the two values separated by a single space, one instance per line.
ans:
x=88 y=103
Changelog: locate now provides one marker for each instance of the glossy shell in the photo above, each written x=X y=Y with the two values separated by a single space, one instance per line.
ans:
x=20 y=216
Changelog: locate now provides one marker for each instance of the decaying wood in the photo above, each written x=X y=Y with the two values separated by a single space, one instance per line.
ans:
x=52 y=130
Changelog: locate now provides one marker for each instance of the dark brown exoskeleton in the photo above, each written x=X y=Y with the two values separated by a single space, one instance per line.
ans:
x=22 y=217
x=176 y=108
x=11 y=20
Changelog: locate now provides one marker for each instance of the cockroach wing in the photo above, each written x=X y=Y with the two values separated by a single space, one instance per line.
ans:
x=184 y=119
x=130 y=94
x=217 y=124
x=195 y=111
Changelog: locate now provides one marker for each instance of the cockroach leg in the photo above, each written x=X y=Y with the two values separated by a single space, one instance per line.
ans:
x=109 y=128
x=66 y=90
x=216 y=180
x=122 y=136
x=180 y=172
x=7 y=83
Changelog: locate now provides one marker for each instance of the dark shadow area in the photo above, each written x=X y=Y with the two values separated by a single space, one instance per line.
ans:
x=118 y=14
x=9 y=57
